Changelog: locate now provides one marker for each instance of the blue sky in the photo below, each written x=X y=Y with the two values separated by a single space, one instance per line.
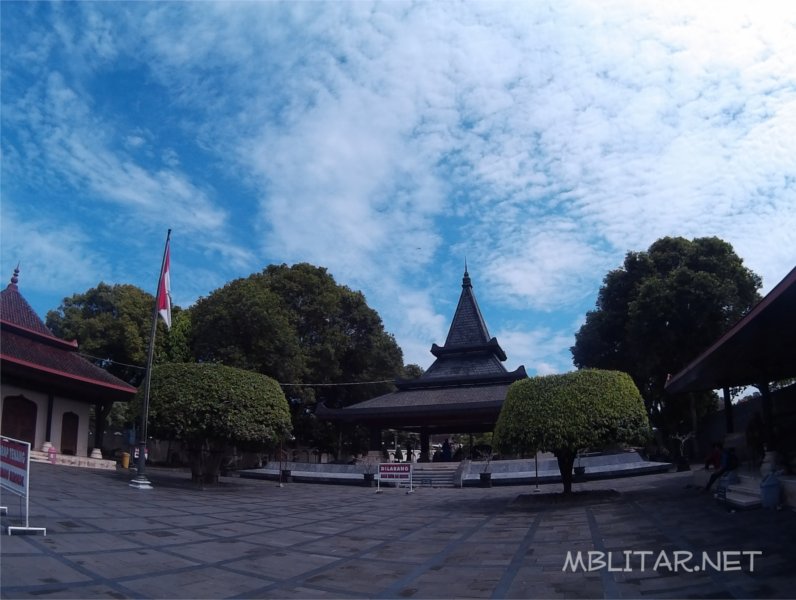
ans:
x=389 y=141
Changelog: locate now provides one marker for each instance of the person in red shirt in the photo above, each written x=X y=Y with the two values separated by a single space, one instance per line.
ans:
x=713 y=459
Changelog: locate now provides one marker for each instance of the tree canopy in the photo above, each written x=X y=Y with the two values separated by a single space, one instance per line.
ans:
x=113 y=323
x=565 y=413
x=245 y=325
x=299 y=326
x=660 y=310
x=211 y=407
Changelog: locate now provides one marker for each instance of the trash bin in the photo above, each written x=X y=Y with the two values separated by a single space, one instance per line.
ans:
x=125 y=460
x=769 y=491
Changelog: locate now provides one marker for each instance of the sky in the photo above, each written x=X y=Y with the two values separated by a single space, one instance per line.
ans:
x=391 y=142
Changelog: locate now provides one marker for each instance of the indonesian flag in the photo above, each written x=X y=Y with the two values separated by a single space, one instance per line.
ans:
x=164 y=290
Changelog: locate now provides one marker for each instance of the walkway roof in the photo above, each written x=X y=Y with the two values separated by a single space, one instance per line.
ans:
x=761 y=347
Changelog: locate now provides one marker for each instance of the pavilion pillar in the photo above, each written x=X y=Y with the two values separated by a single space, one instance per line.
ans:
x=375 y=440
x=49 y=430
x=424 y=446
x=768 y=416
x=728 y=411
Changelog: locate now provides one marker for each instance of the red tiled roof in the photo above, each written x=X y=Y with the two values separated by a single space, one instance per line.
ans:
x=15 y=309
x=29 y=347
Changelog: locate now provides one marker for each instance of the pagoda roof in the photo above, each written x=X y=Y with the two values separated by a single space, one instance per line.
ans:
x=474 y=408
x=470 y=354
x=32 y=353
x=465 y=386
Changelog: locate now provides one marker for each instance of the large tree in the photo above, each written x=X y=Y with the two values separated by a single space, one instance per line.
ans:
x=299 y=326
x=112 y=324
x=211 y=408
x=566 y=413
x=342 y=339
x=245 y=325
x=659 y=311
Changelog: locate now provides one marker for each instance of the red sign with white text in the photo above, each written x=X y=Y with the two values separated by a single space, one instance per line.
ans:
x=14 y=465
x=395 y=471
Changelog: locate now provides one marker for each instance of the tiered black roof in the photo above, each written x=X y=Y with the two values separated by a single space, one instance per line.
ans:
x=464 y=387
x=470 y=355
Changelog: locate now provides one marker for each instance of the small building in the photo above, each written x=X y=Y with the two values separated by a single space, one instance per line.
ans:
x=461 y=392
x=46 y=387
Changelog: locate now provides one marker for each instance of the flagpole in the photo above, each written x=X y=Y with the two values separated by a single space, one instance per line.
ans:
x=140 y=481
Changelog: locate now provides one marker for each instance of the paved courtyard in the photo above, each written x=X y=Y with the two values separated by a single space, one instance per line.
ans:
x=253 y=539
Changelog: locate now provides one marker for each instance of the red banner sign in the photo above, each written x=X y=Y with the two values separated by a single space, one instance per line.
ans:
x=395 y=471
x=14 y=465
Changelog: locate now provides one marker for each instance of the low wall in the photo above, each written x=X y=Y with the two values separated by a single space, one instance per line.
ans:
x=504 y=472
x=597 y=466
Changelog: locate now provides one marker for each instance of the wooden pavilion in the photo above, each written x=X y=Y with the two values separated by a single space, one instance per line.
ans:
x=461 y=392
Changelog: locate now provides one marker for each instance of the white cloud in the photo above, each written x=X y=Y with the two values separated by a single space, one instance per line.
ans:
x=51 y=254
x=388 y=141
x=541 y=350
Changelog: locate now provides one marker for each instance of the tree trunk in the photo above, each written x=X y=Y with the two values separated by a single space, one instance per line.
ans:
x=566 y=459
x=206 y=458
x=212 y=465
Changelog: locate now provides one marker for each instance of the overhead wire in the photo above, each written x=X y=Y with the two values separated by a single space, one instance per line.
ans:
x=116 y=362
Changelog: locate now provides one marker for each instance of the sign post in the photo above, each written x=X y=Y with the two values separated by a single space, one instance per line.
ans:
x=15 y=477
x=395 y=472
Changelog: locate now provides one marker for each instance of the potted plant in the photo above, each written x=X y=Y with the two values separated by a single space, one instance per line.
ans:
x=682 y=461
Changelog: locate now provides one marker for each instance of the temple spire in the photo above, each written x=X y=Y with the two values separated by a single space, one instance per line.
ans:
x=15 y=277
x=466 y=279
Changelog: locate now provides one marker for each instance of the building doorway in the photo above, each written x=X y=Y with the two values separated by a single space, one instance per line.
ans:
x=19 y=419
x=69 y=433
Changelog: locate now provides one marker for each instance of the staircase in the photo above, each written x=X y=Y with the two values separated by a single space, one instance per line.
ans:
x=434 y=474
x=73 y=461
x=741 y=494
x=745 y=493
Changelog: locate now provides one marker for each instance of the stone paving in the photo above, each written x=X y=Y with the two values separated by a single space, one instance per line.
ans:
x=253 y=539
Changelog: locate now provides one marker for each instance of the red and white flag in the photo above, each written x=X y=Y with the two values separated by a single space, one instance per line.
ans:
x=164 y=290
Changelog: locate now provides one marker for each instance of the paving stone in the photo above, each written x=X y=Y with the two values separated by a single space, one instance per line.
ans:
x=205 y=582
x=20 y=571
x=280 y=564
x=250 y=538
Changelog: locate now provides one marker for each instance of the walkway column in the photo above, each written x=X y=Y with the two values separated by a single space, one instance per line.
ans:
x=728 y=411
x=424 y=446
x=768 y=416
x=375 y=440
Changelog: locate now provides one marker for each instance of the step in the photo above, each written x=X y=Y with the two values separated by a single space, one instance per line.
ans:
x=741 y=497
x=437 y=467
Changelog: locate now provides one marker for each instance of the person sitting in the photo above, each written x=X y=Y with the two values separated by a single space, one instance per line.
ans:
x=729 y=462
x=446 y=451
x=713 y=459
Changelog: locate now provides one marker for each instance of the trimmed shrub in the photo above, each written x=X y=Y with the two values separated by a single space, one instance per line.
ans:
x=563 y=413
